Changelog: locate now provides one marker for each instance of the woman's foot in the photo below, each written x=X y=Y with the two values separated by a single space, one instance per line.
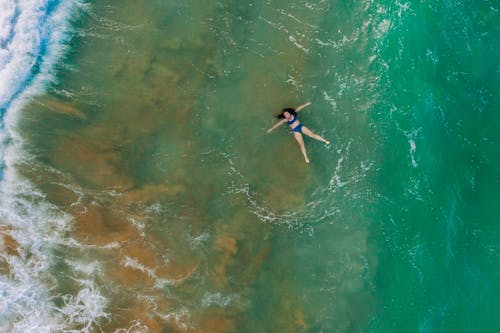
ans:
x=326 y=142
x=307 y=160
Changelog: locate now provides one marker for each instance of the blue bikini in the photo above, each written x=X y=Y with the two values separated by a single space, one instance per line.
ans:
x=297 y=128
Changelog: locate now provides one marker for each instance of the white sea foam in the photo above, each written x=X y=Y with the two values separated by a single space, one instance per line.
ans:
x=133 y=263
x=33 y=37
x=294 y=40
x=26 y=304
x=199 y=240
x=84 y=309
x=217 y=299
x=181 y=318
x=411 y=135
x=330 y=100
x=264 y=213
x=135 y=327
x=413 y=147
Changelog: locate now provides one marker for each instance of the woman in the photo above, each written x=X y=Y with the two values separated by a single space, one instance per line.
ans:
x=289 y=115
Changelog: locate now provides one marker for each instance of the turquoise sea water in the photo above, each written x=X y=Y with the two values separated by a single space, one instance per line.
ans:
x=141 y=191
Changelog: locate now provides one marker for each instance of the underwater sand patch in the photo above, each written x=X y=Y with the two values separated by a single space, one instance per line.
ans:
x=100 y=226
x=92 y=161
x=216 y=323
x=8 y=247
x=226 y=246
x=239 y=250
x=243 y=237
x=137 y=314
x=61 y=107
x=8 y=244
x=293 y=314
x=61 y=196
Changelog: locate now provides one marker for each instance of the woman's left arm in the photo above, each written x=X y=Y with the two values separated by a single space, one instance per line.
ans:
x=298 y=108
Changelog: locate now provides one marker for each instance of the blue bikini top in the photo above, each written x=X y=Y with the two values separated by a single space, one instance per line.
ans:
x=289 y=122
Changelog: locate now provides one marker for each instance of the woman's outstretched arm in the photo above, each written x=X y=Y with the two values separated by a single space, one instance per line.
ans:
x=276 y=125
x=298 y=108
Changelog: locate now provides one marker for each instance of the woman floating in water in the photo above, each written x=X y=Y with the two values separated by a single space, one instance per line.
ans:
x=289 y=115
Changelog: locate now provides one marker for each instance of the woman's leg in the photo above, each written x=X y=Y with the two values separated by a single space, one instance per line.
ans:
x=299 y=139
x=315 y=136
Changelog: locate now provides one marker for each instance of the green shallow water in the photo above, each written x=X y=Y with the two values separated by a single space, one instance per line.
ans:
x=200 y=221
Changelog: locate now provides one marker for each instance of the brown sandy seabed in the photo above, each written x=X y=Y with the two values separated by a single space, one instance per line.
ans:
x=139 y=263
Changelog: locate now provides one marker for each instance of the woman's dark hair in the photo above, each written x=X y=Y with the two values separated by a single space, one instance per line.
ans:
x=289 y=110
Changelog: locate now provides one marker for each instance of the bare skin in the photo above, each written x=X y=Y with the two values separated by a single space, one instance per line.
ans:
x=298 y=135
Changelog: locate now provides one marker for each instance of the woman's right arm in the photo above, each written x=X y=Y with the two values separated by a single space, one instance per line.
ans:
x=276 y=125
